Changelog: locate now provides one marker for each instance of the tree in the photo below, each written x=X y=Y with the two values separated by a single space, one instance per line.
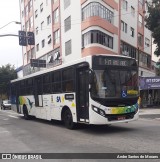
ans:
x=153 y=23
x=7 y=73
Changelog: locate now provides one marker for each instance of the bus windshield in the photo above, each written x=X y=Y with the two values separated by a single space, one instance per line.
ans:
x=115 y=83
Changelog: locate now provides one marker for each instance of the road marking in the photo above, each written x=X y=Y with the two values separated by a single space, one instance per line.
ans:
x=4 y=131
x=5 y=119
x=10 y=112
x=13 y=116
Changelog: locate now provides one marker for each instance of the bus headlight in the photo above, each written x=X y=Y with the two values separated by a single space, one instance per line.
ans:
x=98 y=110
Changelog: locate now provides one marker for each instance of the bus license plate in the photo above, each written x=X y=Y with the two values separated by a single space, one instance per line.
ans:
x=121 y=118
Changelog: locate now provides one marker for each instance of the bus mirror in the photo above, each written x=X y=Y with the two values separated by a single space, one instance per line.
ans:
x=91 y=77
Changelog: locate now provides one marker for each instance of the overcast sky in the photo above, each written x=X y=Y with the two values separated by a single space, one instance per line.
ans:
x=10 y=51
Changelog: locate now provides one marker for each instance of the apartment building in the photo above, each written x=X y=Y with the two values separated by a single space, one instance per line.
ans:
x=66 y=30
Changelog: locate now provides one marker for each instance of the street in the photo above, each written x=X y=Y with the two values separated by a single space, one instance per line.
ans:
x=38 y=136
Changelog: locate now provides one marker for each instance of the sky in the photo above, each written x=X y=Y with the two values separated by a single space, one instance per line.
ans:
x=10 y=51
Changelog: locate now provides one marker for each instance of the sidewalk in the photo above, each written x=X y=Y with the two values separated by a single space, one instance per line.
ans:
x=148 y=111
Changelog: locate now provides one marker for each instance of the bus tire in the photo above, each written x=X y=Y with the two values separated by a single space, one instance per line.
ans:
x=25 y=113
x=68 y=119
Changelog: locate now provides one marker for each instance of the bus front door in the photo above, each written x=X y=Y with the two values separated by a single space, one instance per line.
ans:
x=82 y=97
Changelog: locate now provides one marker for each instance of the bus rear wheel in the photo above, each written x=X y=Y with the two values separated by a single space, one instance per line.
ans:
x=68 y=120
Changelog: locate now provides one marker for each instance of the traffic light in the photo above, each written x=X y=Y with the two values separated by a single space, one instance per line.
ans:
x=30 y=37
x=22 y=38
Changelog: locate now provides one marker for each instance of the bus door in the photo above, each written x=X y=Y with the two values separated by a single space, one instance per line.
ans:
x=82 y=91
x=38 y=95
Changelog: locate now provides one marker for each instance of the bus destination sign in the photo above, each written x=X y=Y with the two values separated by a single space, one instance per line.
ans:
x=114 y=61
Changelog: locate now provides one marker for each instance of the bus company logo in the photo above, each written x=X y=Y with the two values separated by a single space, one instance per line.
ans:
x=58 y=99
x=6 y=156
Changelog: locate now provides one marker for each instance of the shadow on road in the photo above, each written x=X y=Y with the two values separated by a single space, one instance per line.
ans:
x=92 y=129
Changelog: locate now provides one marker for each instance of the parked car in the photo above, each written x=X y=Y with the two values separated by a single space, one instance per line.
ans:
x=6 y=104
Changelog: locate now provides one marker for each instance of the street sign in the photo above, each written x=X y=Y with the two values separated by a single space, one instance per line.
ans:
x=38 y=63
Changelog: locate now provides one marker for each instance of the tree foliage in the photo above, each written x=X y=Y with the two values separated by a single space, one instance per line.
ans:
x=7 y=73
x=157 y=72
x=153 y=23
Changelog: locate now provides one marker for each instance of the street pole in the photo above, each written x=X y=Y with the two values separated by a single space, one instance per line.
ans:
x=16 y=22
x=138 y=60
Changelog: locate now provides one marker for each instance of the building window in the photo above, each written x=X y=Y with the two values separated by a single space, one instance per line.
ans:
x=27 y=25
x=67 y=3
x=31 y=22
x=56 y=16
x=128 y=50
x=46 y=2
x=54 y=1
x=28 y=56
x=26 y=11
x=132 y=11
x=49 y=39
x=48 y=20
x=125 y=5
x=56 y=37
x=25 y=56
x=147 y=42
x=22 y=14
x=140 y=22
x=68 y=47
x=96 y=9
x=36 y=30
x=67 y=24
x=96 y=36
x=123 y=26
x=42 y=25
x=37 y=47
x=140 y=4
x=33 y=54
x=30 y=6
x=132 y=32
x=140 y=40
x=145 y=60
x=41 y=7
x=36 y=13
x=43 y=43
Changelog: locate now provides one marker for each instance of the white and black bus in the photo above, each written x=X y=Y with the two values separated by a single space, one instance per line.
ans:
x=99 y=89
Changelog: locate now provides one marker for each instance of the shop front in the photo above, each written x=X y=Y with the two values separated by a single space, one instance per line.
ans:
x=149 y=91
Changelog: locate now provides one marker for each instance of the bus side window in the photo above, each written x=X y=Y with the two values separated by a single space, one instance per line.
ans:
x=46 y=83
x=68 y=80
x=56 y=82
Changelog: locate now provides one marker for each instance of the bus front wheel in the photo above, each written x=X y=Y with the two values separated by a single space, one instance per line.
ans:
x=68 y=120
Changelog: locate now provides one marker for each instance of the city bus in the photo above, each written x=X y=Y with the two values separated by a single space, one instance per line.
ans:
x=98 y=89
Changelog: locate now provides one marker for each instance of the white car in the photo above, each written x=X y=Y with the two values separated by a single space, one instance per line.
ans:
x=6 y=104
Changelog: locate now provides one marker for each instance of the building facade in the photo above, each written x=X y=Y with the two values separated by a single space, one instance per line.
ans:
x=66 y=30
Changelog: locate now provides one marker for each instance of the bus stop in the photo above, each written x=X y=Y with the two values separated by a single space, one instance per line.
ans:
x=149 y=91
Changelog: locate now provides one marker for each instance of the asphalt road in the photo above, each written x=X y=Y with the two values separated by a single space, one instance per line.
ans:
x=38 y=136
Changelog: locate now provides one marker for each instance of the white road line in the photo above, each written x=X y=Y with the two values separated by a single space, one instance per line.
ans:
x=10 y=112
x=5 y=119
x=4 y=131
x=13 y=116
